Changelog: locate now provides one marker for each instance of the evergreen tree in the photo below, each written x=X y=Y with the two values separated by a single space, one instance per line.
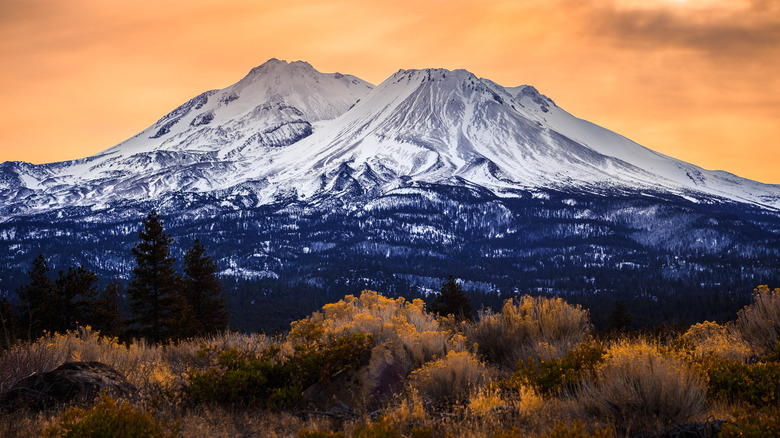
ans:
x=9 y=323
x=452 y=301
x=155 y=291
x=106 y=316
x=76 y=293
x=38 y=300
x=619 y=318
x=204 y=310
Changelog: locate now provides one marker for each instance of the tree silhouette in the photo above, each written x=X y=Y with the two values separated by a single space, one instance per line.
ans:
x=105 y=315
x=38 y=300
x=76 y=291
x=204 y=310
x=619 y=318
x=452 y=301
x=155 y=291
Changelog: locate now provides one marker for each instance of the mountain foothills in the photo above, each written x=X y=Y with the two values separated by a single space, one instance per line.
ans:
x=298 y=180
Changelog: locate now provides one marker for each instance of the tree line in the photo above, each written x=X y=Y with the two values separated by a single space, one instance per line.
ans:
x=164 y=304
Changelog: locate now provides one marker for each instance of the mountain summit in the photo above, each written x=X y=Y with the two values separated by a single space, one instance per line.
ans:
x=288 y=130
x=302 y=179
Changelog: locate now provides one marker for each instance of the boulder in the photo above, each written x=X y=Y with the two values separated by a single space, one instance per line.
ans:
x=374 y=382
x=71 y=382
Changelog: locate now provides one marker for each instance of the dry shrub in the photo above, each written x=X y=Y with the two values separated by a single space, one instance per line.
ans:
x=709 y=338
x=528 y=327
x=638 y=388
x=759 y=322
x=489 y=400
x=411 y=332
x=491 y=409
x=26 y=424
x=214 y=421
x=449 y=379
x=108 y=416
x=153 y=369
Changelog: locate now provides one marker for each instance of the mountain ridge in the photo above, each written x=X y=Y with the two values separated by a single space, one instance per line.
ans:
x=287 y=127
x=302 y=179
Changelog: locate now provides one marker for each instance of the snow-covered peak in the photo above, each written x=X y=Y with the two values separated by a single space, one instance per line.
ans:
x=274 y=105
x=288 y=131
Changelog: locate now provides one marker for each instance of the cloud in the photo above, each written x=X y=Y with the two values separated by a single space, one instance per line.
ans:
x=729 y=30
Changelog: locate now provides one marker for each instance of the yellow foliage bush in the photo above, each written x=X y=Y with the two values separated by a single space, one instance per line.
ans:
x=412 y=333
x=639 y=388
x=109 y=419
x=151 y=368
x=709 y=338
x=450 y=378
x=759 y=322
x=536 y=327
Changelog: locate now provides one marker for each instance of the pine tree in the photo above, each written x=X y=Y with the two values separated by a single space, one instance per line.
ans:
x=38 y=300
x=619 y=318
x=76 y=291
x=105 y=315
x=204 y=310
x=452 y=300
x=155 y=291
x=9 y=323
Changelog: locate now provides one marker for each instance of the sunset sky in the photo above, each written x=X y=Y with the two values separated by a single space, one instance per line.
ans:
x=695 y=79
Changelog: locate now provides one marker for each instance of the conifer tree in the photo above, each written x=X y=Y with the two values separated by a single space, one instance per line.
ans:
x=619 y=318
x=452 y=300
x=107 y=315
x=204 y=310
x=76 y=292
x=38 y=300
x=155 y=291
x=9 y=323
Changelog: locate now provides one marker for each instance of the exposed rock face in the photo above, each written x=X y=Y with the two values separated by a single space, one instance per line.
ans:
x=68 y=383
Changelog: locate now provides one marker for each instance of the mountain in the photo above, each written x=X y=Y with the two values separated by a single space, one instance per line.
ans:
x=286 y=128
x=323 y=178
x=203 y=145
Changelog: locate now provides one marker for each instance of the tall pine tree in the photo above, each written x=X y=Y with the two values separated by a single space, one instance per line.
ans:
x=105 y=312
x=452 y=300
x=76 y=291
x=204 y=310
x=38 y=300
x=155 y=291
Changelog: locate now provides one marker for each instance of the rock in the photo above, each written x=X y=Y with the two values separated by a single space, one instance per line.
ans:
x=384 y=376
x=71 y=382
x=377 y=379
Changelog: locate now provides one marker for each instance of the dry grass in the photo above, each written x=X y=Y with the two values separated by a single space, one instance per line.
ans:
x=535 y=327
x=640 y=389
x=153 y=369
x=759 y=322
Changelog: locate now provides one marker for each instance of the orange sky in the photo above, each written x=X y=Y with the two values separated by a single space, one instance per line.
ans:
x=695 y=79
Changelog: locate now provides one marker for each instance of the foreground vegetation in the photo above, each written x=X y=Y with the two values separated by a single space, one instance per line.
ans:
x=371 y=366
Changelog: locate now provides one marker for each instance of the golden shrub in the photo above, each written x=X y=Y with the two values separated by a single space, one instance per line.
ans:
x=638 y=388
x=152 y=368
x=721 y=340
x=759 y=322
x=529 y=326
x=450 y=378
x=412 y=333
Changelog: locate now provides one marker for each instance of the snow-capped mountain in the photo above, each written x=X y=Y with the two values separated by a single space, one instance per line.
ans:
x=439 y=126
x=324 y=178
x=202 y=145
x=287 y=129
